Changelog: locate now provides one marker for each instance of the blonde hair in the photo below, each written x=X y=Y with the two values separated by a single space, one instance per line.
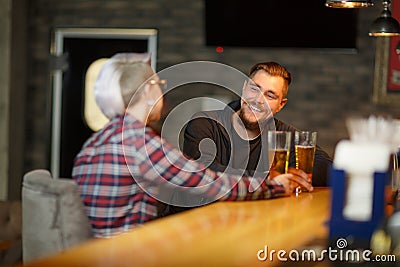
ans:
x=119 y=80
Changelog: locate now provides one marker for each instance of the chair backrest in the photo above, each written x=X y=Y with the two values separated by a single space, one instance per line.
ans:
x=10 y=232
x=53 y=215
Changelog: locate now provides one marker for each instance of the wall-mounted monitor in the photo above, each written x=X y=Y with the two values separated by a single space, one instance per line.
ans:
x=77 y=55
x=280 y=24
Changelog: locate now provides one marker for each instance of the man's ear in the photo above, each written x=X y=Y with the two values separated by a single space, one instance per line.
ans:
x=282 y=104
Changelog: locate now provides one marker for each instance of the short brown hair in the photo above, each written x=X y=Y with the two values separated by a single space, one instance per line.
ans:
x=273 y=69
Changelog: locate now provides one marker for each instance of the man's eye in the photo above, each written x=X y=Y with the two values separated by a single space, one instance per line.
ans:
x=254 y=88
x=272 y=96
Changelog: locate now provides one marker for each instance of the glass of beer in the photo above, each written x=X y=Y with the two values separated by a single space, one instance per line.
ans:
x=304 y=146
x=278 y=151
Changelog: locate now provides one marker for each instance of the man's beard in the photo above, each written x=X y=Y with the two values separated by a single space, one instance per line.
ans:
x=249 y=125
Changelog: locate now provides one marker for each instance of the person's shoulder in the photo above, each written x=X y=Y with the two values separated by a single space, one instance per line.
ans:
x=204 y=119
x=209 y=114
x=283 y=126
x=211 y=119
x=215 y=117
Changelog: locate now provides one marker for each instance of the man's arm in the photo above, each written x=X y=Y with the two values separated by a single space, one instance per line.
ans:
x=196 y=130
x=153 y=160
x=322 y=164
x=204 y=142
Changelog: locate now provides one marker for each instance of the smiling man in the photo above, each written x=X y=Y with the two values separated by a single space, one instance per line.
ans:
x=264 y=95
x=235 y=137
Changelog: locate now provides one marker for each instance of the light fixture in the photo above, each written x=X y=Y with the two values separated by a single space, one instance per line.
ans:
x=348 y=3
x=385 y=25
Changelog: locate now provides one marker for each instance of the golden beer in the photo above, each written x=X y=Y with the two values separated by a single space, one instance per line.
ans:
x=280 y=162
x=305 y=158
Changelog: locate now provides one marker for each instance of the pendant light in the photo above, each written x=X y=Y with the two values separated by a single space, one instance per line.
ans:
x=348 y=3
x=385 y=25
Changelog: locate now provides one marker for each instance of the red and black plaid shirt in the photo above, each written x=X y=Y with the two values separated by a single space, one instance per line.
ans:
x=121 y=167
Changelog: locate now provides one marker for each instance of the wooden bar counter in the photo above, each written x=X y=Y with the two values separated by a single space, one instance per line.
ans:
x=220 y=234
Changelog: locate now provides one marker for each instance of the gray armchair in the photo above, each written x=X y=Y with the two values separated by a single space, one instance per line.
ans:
x=53 y=215
x=10 y=232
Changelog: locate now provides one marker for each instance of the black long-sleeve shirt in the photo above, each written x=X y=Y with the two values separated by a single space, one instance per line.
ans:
x=212 y=133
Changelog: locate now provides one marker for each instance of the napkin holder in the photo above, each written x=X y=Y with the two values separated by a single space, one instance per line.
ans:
x=368 y=163
x=358 y=232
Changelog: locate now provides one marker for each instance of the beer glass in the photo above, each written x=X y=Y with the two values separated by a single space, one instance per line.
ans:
x=395 y=170
x=278 y=151
x=304 y=146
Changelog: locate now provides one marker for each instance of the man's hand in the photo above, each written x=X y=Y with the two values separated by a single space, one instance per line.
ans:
x=293 y=179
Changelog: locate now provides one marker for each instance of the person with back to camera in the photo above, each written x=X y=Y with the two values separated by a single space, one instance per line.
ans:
x=125 y=166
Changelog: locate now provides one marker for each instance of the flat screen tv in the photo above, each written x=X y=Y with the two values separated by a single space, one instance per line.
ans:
x=279 y=23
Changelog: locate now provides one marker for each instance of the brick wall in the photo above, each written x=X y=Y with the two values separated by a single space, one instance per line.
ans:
x=326 y=88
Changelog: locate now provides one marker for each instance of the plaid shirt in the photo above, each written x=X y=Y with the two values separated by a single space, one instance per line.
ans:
x=122 y=167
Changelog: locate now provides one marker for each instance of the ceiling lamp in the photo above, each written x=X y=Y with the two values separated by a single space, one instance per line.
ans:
x=385 y=25
x=348 y=3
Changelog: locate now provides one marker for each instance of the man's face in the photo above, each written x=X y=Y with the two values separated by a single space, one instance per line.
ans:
x=262 y=97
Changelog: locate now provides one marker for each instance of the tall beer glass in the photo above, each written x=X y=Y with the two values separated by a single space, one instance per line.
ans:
x=305 y=143
x=278 y=151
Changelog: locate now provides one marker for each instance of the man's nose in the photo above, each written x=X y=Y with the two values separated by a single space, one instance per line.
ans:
x=260 y=98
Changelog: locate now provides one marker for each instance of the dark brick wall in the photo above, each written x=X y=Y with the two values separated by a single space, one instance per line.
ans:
x=326 y=88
